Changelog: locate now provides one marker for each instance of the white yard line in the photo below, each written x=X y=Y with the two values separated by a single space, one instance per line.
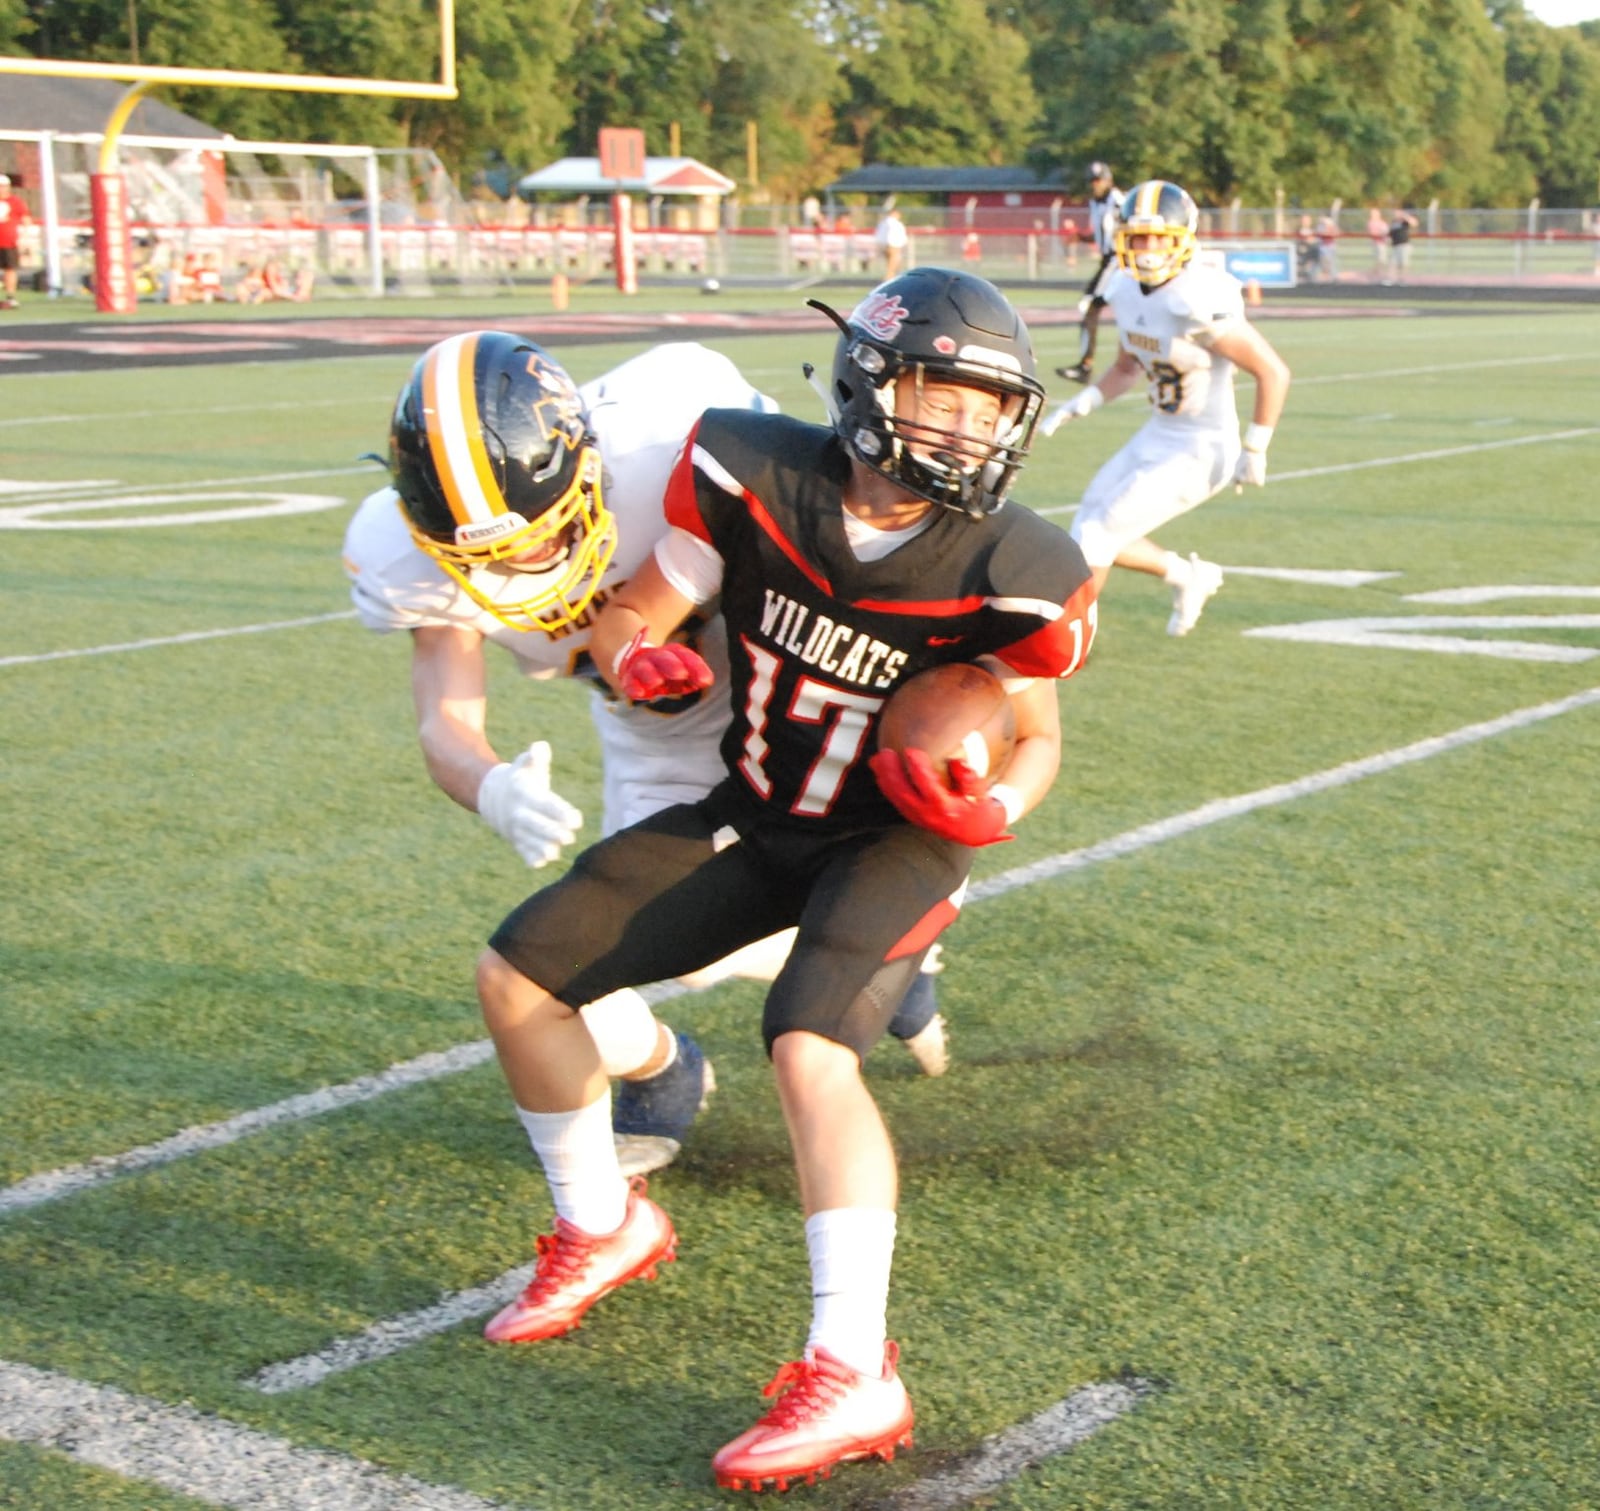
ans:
x=1005 y=1455
x=51 y=1185
x=1269 y=797
x=227 y=1465
x=110 y=488
x=187 y=411
x=1442 y=367
x=207 y=1459
x=392 y=1334
x=1300 y=474
x=185 y=639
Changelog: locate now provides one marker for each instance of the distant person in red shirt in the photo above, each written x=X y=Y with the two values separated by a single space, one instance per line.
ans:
x=13 y=217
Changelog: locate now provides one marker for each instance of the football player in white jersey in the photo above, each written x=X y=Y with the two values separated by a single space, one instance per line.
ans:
x=1181 y=326
x=518 y=504
x=1105 y=205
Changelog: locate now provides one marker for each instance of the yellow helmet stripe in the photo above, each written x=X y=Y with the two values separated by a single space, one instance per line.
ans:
x=455 y=431
x=1149 y=198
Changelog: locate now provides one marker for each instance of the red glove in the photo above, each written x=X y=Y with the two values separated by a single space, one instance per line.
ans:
x=648 y=672
x=967 y=814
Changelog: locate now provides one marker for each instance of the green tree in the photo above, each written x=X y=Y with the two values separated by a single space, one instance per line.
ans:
x=709 y=67
x=932 y=81
x=16 y=25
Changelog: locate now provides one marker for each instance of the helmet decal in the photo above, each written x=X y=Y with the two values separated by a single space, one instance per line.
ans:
x=880 y=315
x=558 y=408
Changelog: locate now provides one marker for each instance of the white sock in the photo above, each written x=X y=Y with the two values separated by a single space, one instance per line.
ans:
x=1178 y=570
x=624 y=1030
x=580 y=1162
x=852 y=1249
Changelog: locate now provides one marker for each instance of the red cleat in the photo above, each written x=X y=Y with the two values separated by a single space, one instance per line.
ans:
x=827 y=1414
x=576 y=1269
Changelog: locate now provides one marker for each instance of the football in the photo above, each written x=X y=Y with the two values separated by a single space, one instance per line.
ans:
x=953 y=710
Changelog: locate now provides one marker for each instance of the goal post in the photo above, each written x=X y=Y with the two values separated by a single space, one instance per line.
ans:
x=115 y=277
x=230 y=78
x=361 y=221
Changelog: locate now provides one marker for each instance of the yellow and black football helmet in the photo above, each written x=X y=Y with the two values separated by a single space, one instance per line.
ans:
x=1163 y=210
x=496 y=465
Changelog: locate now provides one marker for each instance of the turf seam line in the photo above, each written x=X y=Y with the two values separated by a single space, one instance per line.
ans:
x=204 y=1457
x=1002 y=1457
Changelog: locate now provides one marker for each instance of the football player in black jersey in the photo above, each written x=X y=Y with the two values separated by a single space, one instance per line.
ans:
x=847 y=559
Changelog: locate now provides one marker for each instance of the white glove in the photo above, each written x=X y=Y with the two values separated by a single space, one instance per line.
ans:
x=1251 y=467
x=1079 y=407
x=515 y=801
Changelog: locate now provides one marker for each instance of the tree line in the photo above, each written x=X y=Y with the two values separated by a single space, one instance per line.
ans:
x=1403 y=100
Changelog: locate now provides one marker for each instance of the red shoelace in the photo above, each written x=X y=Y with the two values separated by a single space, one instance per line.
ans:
x=561 y=1257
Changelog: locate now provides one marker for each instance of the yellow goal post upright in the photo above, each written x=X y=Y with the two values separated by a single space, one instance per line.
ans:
x=114 y=276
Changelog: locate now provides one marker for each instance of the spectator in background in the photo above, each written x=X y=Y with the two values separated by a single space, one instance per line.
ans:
x=1378 y=235
x=268 y=282
x=208 y=280
x=180 y=280
x=1307 y=250
x=1328 y=249
x=891 y=238
x=1400 y=229
x=13 y=217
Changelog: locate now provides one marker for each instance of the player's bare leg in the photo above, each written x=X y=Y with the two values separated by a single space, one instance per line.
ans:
x=607 y=1231
x=844 y=1398
x=842 y=1151
x=547 y=1054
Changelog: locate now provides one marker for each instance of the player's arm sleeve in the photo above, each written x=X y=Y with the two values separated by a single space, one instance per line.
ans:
x=1064 y=625
x=1216 y=310
x=691 y=565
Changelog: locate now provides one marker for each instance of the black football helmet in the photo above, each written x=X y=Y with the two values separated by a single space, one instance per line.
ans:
x=496 y=466
x=934 y=324
x=1157 y=208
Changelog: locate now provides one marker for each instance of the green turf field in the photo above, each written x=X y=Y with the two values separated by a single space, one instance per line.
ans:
x=1288 y=1107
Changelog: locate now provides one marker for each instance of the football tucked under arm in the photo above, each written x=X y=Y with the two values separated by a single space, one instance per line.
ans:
x=945 y=737
x=956 y=804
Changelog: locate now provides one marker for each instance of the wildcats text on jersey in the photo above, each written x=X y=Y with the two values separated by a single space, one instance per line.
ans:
x=816 y=640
